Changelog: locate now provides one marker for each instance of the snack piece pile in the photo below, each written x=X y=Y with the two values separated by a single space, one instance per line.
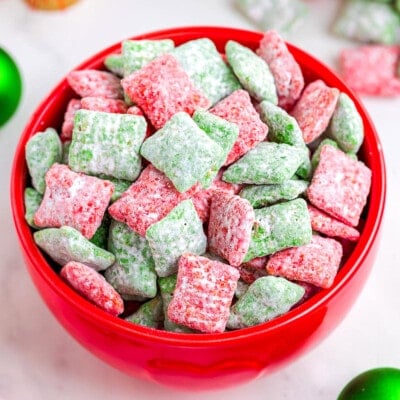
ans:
x=198 y=197
x=371 y=68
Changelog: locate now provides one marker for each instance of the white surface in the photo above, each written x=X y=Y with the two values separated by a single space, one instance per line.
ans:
x=38 y=359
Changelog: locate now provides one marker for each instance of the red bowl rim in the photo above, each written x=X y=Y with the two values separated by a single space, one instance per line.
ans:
x=345 y=274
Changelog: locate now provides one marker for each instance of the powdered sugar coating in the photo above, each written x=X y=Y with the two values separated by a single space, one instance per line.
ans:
x=93 y=286
x=133 y=272
x=202 y=199
x=314 y=109
x=265 y=299
x=73 y=199
x=222 y=132
x=209 y=72
x=287 y=73
x=252 y=72
x=267 y=163
x=316 y=262
x=41 y=151
x=184 y=152
x=282 y=127
x=346 y=125
x=162 y=88
x=150 y=198
x=137 y=53
x=340 y=185
x=265 y=195
x=323 y=223
x=238 y=109
x=107 y=143
x=203 y=293
x=181 y=231
x=278 y=227
x=32 y=200
x=229 y=227
x=95 y=83
x=149 y=313
x=66 y=244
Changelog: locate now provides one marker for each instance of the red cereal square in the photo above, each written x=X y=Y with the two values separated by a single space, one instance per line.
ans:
x=93 y=286
x=253 y=269
x=316 y=262
x=203 y=293
x=314 y=109
x=202 y=199
x=286 y=71
x=162 y=88
x=104 y=105
x=73 y=199
x=329 y=226
x=371 y=69
x=238 y=108
x=95 y=83
x=340 y=185
x=68 y=125
x=150 y=198
x=229 y=228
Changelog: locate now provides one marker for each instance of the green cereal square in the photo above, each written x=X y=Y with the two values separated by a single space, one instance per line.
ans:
x=181 y=231
x=209 y=72
x=267 y=163
x=368 y=21
x=137 y=53
x=149 y=314
x=280 y=15
x=107 y=143
x=282 y=127
x=42 y=151
x=265 y=195
x=115 y=64
x=133 y=272
x=266 y=298
x=252 y=71
x=278 y=227
x=346 y=126
x=183 y=151
x=67 y=244
x=222 y=132
x=32 y=200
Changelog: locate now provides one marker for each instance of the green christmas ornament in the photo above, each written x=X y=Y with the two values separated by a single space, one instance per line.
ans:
x=10 y=87
x=374 y=384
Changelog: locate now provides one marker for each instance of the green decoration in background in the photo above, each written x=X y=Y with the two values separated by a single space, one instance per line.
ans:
x=374 y=384
x=10 y=87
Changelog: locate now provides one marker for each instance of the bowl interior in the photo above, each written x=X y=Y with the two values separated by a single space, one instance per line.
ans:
x=50 y=114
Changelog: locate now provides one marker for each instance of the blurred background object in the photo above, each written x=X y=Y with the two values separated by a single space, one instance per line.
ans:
x=10 y=86
x=50 y=4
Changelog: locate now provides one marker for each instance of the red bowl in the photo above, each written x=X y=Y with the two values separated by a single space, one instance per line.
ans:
x=202 y=361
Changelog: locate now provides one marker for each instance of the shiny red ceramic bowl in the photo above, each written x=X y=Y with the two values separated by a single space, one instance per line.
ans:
x=202 y=361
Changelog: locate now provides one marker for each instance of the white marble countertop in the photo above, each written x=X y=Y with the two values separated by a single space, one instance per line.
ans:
x=38 y=359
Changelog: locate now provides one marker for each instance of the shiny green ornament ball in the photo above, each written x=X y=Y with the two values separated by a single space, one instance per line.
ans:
x=374 y=384
x=10 y=87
